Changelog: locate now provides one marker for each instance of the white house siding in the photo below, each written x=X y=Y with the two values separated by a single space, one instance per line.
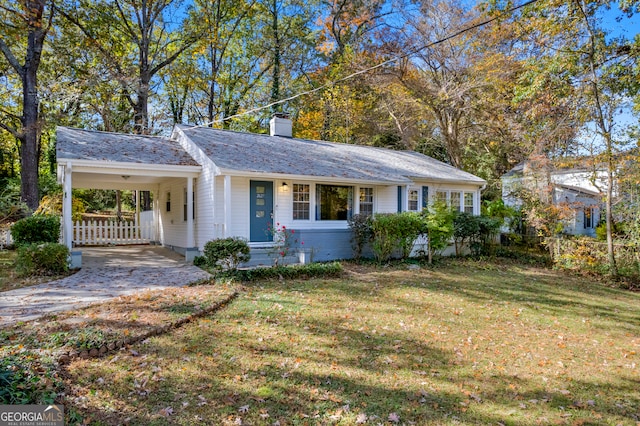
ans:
x=239 y=221
x=205 y=194
x=218 y=204
x=204 y=209
x=172 y=224
x=386 y=199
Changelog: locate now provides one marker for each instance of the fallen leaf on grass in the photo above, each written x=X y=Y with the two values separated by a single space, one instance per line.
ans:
x=166 y=412
x=393 y=417
x=361 y=418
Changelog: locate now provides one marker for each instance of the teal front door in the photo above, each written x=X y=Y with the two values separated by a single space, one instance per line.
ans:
x=260 y=210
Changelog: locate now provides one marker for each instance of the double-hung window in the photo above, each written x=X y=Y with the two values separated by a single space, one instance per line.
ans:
x=301 y=201
x=366 y=201
x=468 y=202
x=413 y=198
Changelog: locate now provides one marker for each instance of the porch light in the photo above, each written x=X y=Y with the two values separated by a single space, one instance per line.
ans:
x=285 y=187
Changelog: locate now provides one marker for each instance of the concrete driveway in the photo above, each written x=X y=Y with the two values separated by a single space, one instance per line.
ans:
x=107 y=272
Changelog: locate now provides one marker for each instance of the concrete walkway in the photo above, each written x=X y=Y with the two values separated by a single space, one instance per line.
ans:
x=107 y=272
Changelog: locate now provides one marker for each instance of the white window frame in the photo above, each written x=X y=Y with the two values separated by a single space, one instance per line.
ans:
x=418 y=197
x=462 y=198
x=367 y=203
x=318 y=206
x=473 y=202
x=307 y=202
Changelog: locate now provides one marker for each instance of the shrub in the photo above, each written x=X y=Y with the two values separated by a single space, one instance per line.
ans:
x=36 y=229
x=200 y=261
x=226 y=253
x=42 y=259
x=362 y=233
x=437 y=225
x=394 y=232
x=474 y=231
x=311 y=270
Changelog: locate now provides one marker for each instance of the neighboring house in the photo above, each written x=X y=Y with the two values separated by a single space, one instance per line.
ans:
x=574 y=188
x=210 y=183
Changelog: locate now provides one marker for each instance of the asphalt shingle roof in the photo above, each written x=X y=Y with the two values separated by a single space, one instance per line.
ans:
x=80 y=144
x=251 y=152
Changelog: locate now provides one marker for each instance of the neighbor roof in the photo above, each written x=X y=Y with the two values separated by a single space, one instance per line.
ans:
x=249 y=152
x=80 y=144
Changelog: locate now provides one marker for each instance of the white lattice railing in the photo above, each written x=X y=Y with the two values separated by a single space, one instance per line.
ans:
x=104 y=233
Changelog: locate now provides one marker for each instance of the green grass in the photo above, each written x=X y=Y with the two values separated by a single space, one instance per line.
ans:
x=463 y=343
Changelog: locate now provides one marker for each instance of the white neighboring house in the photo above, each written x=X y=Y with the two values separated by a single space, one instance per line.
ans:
x=209 y=183
x=573 y=187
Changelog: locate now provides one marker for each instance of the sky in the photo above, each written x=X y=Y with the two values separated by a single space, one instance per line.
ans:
x=619 y=24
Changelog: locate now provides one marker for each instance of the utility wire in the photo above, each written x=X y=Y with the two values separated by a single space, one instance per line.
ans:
x=366 y=70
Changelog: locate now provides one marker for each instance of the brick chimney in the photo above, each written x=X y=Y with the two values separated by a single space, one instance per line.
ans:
x=281 y=125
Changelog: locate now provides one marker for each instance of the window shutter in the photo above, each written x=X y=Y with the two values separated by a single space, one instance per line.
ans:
x=425 y=197
x=399 y=199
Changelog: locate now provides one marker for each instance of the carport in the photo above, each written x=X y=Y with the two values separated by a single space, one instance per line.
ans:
x=104 y=160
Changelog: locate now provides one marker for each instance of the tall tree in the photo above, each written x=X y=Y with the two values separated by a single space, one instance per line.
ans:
x=29 y=22
x=135 y=39
x=592 y=68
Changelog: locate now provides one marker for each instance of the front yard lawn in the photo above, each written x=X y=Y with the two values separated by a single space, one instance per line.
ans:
x=463 y=343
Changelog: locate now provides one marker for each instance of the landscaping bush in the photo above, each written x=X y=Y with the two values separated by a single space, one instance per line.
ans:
x=394 y=232
x=475 y=232
x=42 y=259
x=200 y=261
x=311 y=270
x=437 y=225
x=226 y=253
x=36 y=229
x=362 y=233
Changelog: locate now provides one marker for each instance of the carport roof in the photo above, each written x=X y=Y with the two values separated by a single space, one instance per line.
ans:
x=93 y=145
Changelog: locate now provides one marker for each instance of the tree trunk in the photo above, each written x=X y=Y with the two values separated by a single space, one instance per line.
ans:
x=30 y=134
x=119 y=205
x=611 y=254
x=29 y=139
x=140 y=110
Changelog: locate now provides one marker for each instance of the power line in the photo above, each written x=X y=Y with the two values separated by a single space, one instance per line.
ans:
x=366 y=70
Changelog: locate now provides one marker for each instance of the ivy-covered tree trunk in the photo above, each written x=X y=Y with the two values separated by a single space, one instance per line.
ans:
x=30 y=135
x=31 y=13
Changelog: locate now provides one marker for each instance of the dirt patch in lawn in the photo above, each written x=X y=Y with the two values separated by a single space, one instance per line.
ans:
x=114 y=323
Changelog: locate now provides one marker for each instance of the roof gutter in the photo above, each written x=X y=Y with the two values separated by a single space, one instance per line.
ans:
x=133 y=169
x=333 y=179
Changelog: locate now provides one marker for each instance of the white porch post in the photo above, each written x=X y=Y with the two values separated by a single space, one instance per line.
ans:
x=156 y=214
x=67 y=225
x=137 y=218
x=227 y=205
x=190 y=239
